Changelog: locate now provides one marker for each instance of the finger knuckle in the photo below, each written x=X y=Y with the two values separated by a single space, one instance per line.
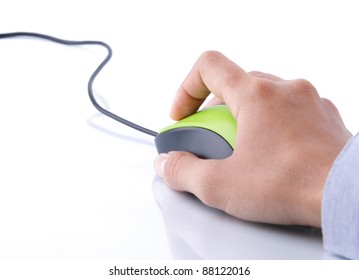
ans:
x=172 y=170
x=209 y=185
x=305 y=88
x=261 y=88
x=210 y=56
x=330 y=105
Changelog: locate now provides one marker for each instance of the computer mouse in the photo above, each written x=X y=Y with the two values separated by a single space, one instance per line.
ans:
x=209 y=134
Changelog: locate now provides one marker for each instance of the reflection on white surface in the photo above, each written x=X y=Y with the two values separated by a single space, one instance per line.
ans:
x=196 y=231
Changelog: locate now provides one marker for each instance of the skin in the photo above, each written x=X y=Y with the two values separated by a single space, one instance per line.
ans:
x=288 y=138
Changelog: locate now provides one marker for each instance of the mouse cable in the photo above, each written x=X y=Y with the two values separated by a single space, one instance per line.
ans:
x=93 y=76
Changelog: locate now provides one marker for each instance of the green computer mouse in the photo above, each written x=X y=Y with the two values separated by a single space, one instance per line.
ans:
x=209 y=134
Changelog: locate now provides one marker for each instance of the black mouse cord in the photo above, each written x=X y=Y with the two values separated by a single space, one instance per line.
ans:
x=93 y=76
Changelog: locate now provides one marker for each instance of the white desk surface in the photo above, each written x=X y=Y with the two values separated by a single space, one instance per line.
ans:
x=77 y=185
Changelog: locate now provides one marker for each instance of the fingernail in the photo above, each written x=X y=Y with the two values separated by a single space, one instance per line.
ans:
x=160 y=162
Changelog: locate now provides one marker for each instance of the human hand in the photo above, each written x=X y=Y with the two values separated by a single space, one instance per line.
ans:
x=287 y=140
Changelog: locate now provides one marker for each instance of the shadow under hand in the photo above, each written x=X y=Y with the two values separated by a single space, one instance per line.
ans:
x=196 y=231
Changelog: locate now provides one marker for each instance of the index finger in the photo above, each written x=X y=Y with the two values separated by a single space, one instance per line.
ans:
x=213 y=72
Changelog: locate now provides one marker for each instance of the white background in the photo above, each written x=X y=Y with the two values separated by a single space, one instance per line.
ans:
x=76 y=185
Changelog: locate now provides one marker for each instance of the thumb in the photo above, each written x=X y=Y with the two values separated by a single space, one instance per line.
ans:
x=184 y=171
